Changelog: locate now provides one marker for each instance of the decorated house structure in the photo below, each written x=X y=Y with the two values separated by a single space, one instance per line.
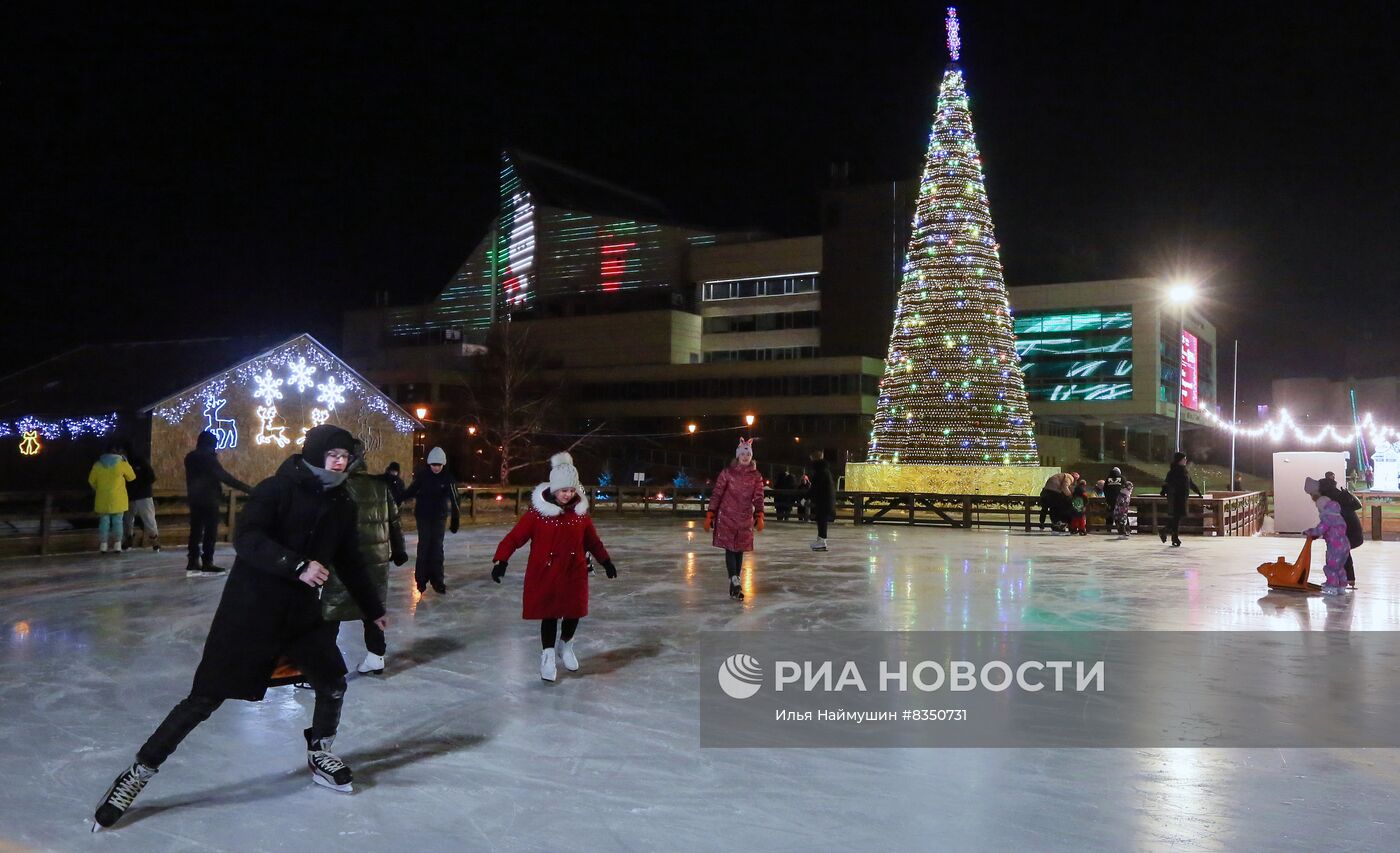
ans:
x=257 y=396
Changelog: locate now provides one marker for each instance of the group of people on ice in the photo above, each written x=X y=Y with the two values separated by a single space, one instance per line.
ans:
x=313 y=549
x=1065 y=501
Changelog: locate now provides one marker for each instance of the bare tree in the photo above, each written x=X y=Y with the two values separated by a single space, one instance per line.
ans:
x=514 y=399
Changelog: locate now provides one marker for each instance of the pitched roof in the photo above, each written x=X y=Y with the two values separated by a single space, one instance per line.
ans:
x=100 y=378
x=556 y=185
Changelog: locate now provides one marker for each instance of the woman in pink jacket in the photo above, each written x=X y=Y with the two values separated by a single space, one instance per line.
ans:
x=736 y=511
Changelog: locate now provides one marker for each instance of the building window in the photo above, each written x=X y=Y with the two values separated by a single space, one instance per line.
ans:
x=1080 y=354
x=762 y=322
x=714 y=291
x=762 y=354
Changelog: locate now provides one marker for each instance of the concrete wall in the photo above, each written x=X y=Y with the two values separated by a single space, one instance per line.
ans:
x=756 y=260
x=611 y=340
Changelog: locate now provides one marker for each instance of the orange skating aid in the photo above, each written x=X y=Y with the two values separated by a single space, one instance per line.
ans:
x=1285 y=575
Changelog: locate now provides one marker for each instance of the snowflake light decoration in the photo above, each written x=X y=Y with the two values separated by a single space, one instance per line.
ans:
x=301 y=374
x=267 y=387
x=332 y=393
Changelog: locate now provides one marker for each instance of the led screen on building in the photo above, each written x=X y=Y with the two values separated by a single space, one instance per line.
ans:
x=1190 y=373
x=1079 y=354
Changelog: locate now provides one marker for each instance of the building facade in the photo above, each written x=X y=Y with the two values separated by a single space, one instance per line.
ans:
x=1102 y=361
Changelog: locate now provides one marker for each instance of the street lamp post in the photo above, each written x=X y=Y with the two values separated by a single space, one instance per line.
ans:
x=1234 y=416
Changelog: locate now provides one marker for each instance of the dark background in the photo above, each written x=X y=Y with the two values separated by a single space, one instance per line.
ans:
x=174 y=172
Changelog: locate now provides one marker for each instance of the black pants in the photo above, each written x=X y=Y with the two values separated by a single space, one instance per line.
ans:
x=1052 y=504
x=733 y=561
x=204 y=526
x=193 y=710
x=427 y=568
x=821 y=526
x=375 y=643
x=1351 y=570
x=548 y=627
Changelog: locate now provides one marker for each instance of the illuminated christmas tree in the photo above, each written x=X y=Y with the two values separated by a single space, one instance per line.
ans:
x=953 y=392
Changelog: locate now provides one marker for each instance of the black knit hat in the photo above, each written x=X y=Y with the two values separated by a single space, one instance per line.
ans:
x=1177 y=457
x=322 y=440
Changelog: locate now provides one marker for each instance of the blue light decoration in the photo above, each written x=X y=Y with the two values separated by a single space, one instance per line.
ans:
x=96 y=425
x=954 y=38
x=224 y=429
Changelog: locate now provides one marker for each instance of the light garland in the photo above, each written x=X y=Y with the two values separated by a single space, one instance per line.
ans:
x=1375 y=433
x=275 y=375
x=96 y=425
x=953 y=392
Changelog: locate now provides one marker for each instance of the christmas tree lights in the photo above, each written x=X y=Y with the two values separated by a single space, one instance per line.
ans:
x=953 y=391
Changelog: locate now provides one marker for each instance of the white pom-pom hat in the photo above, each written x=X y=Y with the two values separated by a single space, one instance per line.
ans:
x=562 y=473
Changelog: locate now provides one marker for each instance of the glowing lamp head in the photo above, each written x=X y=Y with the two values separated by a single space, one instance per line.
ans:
x=749 y=419
x=421 y=412
x=471 y=430
x=1181 y=292
x=690 y=428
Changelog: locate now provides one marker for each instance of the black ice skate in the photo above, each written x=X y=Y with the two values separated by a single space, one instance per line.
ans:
x=326 y=769
x=120 y=796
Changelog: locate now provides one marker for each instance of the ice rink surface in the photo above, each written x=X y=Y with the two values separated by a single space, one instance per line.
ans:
x=460 y=745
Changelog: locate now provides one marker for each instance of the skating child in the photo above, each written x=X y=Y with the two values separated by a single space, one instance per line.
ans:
x=1332 y=528
x=295 y=524
x=1079 y=509
x=1122 y=502
x=736 y=511
x=560 y=534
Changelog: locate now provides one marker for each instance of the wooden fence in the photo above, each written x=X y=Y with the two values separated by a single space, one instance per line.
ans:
x=63 y=522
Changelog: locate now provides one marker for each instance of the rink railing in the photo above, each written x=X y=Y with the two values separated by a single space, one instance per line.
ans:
x=63 y=522
x=1221 y=514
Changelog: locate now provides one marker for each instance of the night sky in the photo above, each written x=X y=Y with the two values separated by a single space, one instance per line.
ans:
x=173 y=172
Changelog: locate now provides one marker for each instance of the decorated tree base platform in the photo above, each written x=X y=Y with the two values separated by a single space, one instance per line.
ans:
x=946 y=479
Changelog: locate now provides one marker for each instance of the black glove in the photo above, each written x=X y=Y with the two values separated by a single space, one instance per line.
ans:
x=400 y=558
x=453 y=526
x=610 y=568
x=498 y=571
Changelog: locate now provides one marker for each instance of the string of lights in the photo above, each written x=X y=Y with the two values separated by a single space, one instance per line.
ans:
x=953 y=391
x=1286 y=426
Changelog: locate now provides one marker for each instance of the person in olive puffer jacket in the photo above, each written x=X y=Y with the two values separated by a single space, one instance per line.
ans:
x=381 y=541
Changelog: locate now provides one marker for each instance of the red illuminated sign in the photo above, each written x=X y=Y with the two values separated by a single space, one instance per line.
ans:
x=1190 y=385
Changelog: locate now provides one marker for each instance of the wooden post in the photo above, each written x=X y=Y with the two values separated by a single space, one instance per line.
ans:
x=1028 y=506
x=910 y=500
x=675 y=499
x=45 y=524
x=471 y=502
x=1377 y=523
x=967 y=513
x=517 y=502
x=619 y=500
x=1219 y=518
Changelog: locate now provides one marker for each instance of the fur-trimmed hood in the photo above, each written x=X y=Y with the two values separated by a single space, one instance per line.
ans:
x=549 y=509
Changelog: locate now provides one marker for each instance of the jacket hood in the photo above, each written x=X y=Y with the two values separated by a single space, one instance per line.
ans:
x=818 y=464
x=543 y=503
x=109 y=460
x=296 y=469
x=206 y=441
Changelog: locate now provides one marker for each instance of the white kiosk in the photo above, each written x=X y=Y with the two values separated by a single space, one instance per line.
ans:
x=1294 y=511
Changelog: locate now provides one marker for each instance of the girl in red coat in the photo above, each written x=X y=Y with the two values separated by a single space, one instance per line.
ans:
x=559 y=531
x=736 y=510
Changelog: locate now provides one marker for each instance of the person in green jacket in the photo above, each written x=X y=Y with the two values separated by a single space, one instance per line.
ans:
x=108 y=478
x=381 y=540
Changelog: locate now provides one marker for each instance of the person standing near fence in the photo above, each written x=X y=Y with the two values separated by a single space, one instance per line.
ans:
x=822 y=496
x=204 y=479
x=434 y=491
x=783 y=486
x=108 y=478
x=736 y=511
x=141 y=501
x=1112 y=487
x=1175 y=487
